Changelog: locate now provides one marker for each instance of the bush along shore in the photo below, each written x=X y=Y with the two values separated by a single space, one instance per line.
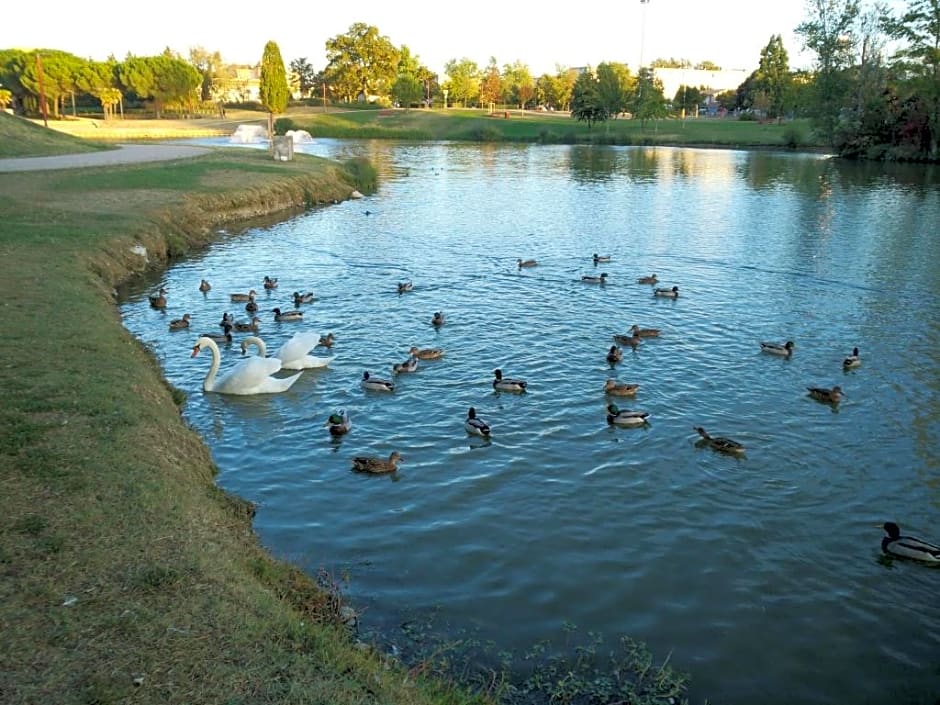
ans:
x=127 y=574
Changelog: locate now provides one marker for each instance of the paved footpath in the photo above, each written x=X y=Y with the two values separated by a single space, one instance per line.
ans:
x=124 y=154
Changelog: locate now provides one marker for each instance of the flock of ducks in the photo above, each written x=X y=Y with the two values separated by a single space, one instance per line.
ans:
x=254 y=374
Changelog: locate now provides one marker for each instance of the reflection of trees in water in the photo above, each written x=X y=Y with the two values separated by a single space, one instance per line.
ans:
x=590 y=164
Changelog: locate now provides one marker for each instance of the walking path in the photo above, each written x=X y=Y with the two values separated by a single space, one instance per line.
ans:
x=124 y=154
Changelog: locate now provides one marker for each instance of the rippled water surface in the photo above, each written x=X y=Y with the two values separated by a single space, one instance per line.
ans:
x=761 y=575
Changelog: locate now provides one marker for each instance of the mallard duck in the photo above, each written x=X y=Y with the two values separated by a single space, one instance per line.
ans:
x=376 y=384
x=180 y=323
x=592 y=279
x=251 y=306
x=377 y=465
x=158 y=300
x=477 y=427
x=620 y=390
x=623 y=417
x=269 y=282
x=672 y=293
x=405 y=287
x=339 y=423
x=725 y=445
x=251 y=327
x=829 y=396
x=644 y=332
x=506 y=384
x=426 y=353
x=437 y=319
x=239 y=298
x=287 y=316
x=631 y=340
x=651 y=279
x=224 y=337
x=228 y=319
x=852 y=360
x=615 y=354
x=527 y=263
x=786 y=349
x=409 y=365
x=304 y=298
x=327 y=340
x=601 y=258
x=907 y=546
x=204 y=286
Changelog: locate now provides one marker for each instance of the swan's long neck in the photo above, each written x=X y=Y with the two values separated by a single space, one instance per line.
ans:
x=257 y=342
x=208 y=383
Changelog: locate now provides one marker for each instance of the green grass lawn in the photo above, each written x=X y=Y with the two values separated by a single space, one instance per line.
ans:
x=23 y=138
x=542 y=127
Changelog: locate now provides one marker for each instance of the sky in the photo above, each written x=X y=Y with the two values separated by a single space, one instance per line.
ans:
x=730 y=33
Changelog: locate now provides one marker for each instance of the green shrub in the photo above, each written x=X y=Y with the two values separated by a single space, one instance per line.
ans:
x=282 y=125
x=793 y=136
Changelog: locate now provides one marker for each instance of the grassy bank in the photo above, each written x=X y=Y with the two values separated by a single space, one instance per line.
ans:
x=125 y=573
x=547 y=128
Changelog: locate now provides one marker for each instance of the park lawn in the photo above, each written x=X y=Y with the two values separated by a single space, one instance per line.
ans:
x=126 y=574
x=24 y=138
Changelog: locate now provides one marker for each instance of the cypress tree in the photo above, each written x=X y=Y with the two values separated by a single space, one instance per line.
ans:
x=274 y=90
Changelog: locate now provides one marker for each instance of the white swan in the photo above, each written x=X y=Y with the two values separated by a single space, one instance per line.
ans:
x=292 y=354
x=250 y=376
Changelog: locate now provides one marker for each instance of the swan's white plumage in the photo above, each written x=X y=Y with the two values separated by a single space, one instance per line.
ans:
x=294 y=353
x=250 y=376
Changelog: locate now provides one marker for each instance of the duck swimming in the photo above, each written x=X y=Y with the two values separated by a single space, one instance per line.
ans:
x=592 y=279
x=375 y=384
x=287 y=316
x=724 y=445
x=426 y=353
x=615 y=354
x=631 y=340
x=829 y=396
x=507 y=384
x=180 y=323
x=305 y=298
x=620 y=390
x=786 y=349
x=270 y=283
x=623 y=417
x=601 y=258
x=159 y=299
x=852 y=360
x=672 y=293
x=437 y=319
x=405 y=286
x=224 y=337
x=409 y=365
x=339 y=423
x=377 y=466
x=251 y=327
x=228 y=319
x=644 y=332
x=327 y=340
x=251 y=306
x=527 y=263
x=204 y=286
x=907 y=546
x=240 y=298
x=475 y=426
x=648 y=280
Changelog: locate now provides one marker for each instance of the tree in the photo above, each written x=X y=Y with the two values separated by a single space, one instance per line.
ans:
x=463 y=80
x=773 y=76
x=828 y=32
x=586 y=103
x=688 y=99
x=670 y=63
x=649 y=103
x=615 y=86
x=96 y=78
x=274 y=92
x=407 y=89
x=303 y=71
x=491 y=86
x=413 y=81
x=919 y=26
x=361 y=62
x=707 y=66
x=209 y=65
x=520 y=87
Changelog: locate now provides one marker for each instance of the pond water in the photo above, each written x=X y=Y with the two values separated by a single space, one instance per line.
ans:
x=761 y=575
